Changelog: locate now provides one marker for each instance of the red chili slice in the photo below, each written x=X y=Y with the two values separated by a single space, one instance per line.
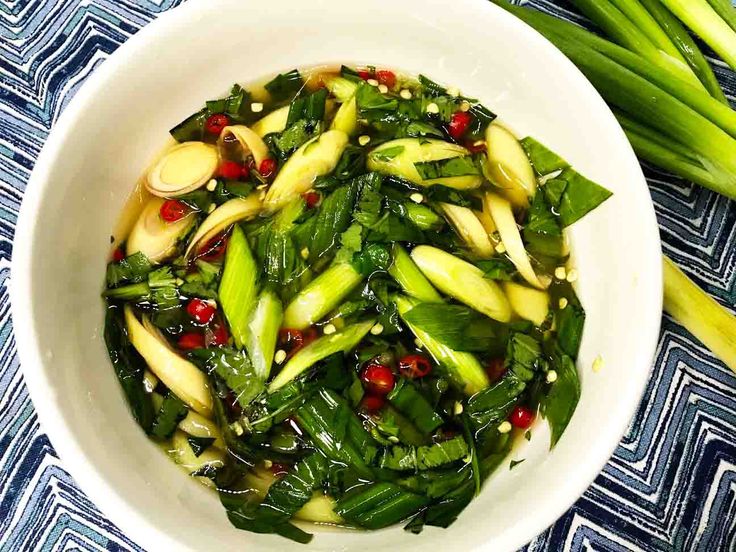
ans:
x=118 y=255
x=201 y=311
x=267 y=168
x=191 y=340
x=215 y=123
x=378 y=379
x=372 y=403
x=521 y=417
x=173 y=210
x=213 y=249
x=311 y=199
x=386 y=77
x=414 y=366
x=459 y=124
x=232 y=170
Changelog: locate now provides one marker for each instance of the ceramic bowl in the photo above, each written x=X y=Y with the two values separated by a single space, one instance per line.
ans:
x=120 y=118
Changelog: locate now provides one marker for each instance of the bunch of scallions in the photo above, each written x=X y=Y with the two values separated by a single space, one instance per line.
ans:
x=667 y=99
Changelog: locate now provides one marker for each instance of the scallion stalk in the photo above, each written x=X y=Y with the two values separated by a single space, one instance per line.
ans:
x=644 y=101
x=674 y=157
x=643 y=20
x=695 y=98
x=623 y=31
x=687 y=47
x=708 y=25
x=725 y=9
x=700 y=314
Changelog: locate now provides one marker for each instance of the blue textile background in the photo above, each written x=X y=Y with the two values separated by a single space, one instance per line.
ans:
x=670 y=485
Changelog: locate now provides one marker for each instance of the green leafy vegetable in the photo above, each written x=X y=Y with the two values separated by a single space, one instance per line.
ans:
x=285 y=85
x=130 y=270
x=406 y=398
x=129 y=367
x=544 y=160
x=460 y=328
x=569 y=317
x=562 y=398
x=379 y=505
x=199 y=444
x=523 y=356
x=580 y=197
x=445 y=168
x=172 y=411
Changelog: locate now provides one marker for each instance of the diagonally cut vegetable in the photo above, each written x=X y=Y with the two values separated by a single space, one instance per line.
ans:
x=238 y=285
x=707 y=24
x=529 y=304
x=272 y=123
x=178 y=374
x=183 y=168
x=153 y=237
x=398 y=158
x=183 y=455
x=463 y=368
x=410 y=278
x=508 y=166
x=322 y=295
x=503 y=217
x=463 y=281
x=342 y=88
x=319 y=509
x=250 y=142
x=263 y=332
x=469 y=228
x=317 y=157
x=226 y=214
x=196 y=425
x=700 y=313
x=344 y=340
x=423 y=217
x=346 y=118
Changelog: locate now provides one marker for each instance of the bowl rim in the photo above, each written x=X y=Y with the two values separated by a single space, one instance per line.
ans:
x=133 y=523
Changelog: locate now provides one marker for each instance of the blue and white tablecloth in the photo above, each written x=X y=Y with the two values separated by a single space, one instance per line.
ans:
x=671 y=484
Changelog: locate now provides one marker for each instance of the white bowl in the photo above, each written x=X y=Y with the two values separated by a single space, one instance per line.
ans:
x=119 y=119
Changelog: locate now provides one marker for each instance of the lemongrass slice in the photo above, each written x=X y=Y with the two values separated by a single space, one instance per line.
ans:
x=398 y=158
x=182 y=169
x=271 y=123
x=503 y=218
x=469 y=228
x=197 y=425
x=154 y=237
x=508 y=166
x=186 y=381
x=226 y=214
x=249 y=140
x=530 y=304
x=317 y=157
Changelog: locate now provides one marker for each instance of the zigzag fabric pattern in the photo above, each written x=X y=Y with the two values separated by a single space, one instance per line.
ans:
x=671 y=483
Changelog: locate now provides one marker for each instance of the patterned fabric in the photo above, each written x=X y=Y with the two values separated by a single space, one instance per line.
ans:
x=670 y=485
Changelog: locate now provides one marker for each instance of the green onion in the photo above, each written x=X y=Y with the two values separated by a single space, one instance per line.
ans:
x=463 y=281
x=687 y=47
x=644 y=21
x=725 y=9
x=410 y=278
x=557 y=30
x=699 y=313
x=264 y=331
x=463 y=368
x=648 y=103
x=321 y=295
x=708 y=25
x=405 y=397
x=344 y=340
x=238 y=285
x=616 y=25
x=651 y=146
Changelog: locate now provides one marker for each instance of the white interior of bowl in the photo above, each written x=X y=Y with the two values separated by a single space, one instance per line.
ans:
x=119 y=120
